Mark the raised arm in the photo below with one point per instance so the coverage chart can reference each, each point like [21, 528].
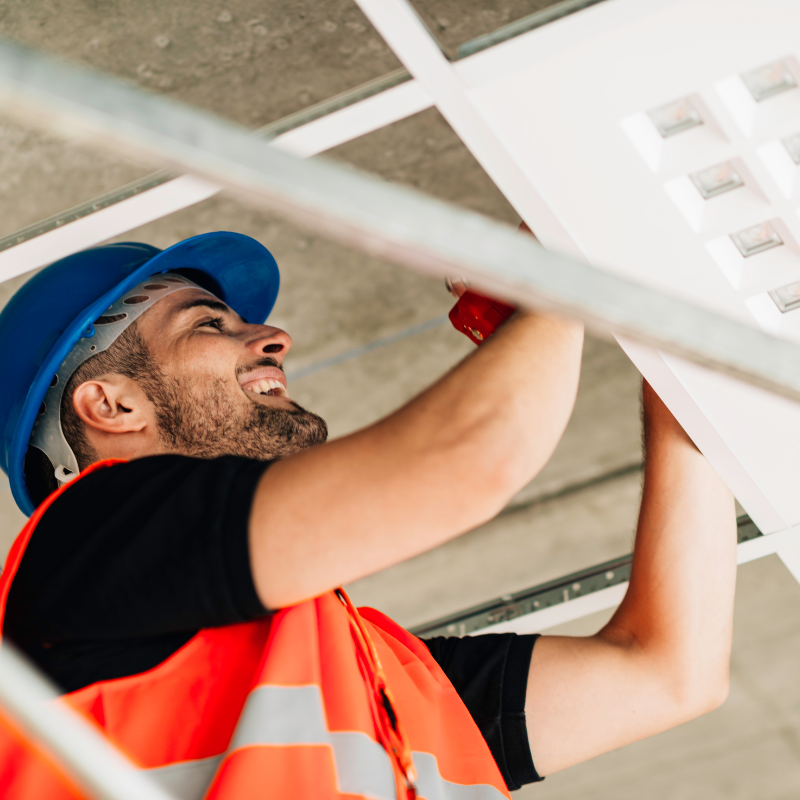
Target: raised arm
[444, 463]
[663, 657]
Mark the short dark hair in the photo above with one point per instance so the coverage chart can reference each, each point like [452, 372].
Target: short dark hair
[129, 356]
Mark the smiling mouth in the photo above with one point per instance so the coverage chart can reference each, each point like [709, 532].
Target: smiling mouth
[269, 387]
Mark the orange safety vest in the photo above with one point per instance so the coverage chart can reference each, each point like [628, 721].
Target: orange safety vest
[295, 705]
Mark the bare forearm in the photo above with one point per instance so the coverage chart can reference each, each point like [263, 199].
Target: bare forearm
[663, 658]
[680, 600]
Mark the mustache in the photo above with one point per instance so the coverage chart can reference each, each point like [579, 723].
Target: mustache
[262, 362]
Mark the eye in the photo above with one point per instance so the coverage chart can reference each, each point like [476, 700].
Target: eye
[215, 322]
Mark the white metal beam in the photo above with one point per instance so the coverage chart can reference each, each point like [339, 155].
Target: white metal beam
[563, 612]
[356, 120]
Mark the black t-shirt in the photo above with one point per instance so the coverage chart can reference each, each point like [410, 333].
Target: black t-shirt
[129, 563]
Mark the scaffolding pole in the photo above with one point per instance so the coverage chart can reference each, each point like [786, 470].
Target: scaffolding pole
[99, 767]
[392, 222]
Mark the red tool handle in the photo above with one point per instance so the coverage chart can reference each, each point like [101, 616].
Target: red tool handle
[478, 316]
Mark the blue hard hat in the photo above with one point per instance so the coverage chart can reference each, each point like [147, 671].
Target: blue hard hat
[45, 319]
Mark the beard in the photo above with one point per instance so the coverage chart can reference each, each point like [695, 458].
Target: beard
[208, 422]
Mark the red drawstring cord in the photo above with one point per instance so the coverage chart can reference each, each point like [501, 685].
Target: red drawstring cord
[387, 724]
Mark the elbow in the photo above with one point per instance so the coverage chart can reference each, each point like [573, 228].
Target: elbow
[684, 683]
[708, 698]
[508, 460]
[483, 465]
[493, 472]
[698, 691]
[716, 693]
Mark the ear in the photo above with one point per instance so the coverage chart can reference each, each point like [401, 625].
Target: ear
[115, 404]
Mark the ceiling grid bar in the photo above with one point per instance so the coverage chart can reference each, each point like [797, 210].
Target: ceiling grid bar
[323, 126]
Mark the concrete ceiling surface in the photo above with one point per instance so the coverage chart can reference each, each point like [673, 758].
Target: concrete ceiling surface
[249, 61]
[254, 63]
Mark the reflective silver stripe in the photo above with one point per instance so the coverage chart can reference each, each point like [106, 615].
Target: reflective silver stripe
[432, 786]
[295, 715]
[281, 715]
[186, 780]
[363, 766]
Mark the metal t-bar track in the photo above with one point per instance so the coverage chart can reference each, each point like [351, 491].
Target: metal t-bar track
[547, 595]
[388, 221]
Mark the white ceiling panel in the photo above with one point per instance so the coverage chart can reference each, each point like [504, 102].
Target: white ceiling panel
[578, 105]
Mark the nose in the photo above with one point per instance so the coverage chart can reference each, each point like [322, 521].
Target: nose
[271, 341]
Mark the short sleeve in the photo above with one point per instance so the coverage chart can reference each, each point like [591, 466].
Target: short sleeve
[490, 674]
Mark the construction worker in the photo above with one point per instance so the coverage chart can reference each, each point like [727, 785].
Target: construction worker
[190, 526]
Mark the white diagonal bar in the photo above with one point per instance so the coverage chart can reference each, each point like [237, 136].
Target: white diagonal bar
[389, 221]
[404, 32]
[356, 120]
[104, 224]
[95, 226]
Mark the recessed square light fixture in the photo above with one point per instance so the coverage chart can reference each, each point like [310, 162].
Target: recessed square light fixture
[787, 298]
[769, 80]
[792, 145]
[756, 239]
[716, 180]
[675, 117]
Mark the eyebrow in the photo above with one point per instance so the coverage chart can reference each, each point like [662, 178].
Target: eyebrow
[214, 305]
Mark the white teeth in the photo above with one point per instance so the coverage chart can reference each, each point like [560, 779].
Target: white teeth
[267, 386]
[279, 388]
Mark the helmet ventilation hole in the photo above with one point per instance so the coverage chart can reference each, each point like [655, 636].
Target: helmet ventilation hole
[109, 318]
[136, 299]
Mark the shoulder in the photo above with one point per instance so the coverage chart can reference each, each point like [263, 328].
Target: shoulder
[148, 514]
[146, 484]
[117, 507]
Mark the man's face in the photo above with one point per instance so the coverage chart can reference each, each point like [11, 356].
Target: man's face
[218, 385]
